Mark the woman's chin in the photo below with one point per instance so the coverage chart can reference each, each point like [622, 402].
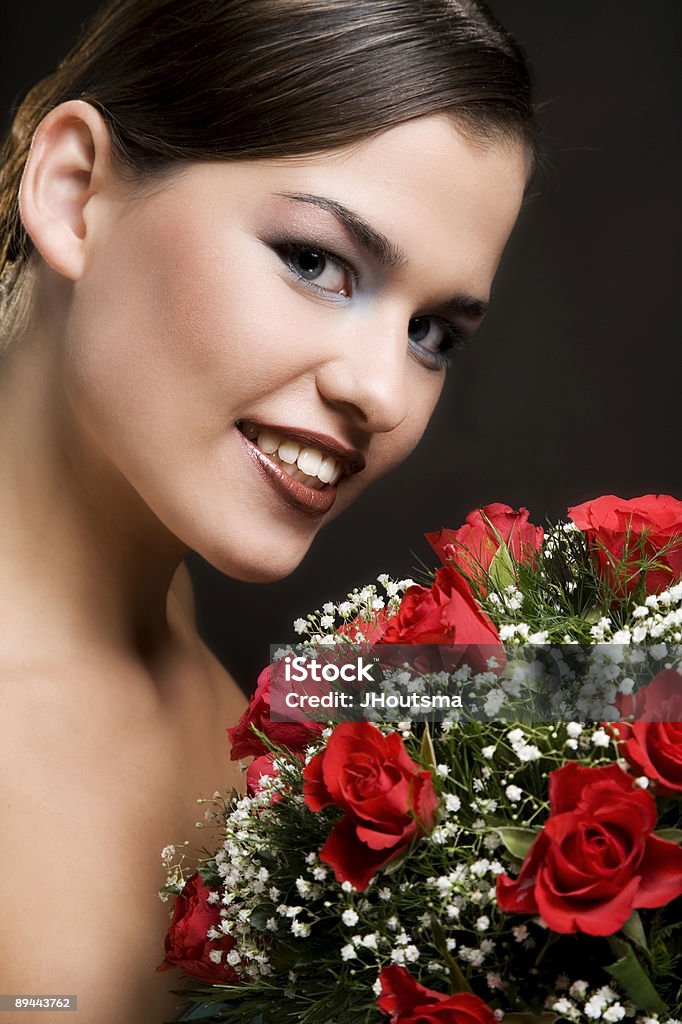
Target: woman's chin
[256, 563]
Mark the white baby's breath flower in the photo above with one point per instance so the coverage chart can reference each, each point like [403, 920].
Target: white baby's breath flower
[488, 752]
[350, 917]
[621, 636]
[301, 626]
[348, 952]
[539, 638]
[514, 793]
[600, 738]
[642, 782]
[527, 752]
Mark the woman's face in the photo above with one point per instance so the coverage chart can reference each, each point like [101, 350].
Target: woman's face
[250, 319]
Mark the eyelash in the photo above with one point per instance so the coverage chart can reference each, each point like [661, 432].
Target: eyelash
[441, 360]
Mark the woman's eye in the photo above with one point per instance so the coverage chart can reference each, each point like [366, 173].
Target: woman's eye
[436, 337]
[319, 268]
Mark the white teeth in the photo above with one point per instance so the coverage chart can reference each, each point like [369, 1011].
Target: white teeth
[309, 461]
[301, 462]
[288, 451]
[268, 442]
[327, 468]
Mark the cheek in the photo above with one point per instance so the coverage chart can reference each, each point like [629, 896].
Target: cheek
[175, 332]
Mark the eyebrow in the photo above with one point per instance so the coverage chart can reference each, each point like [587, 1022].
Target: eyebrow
[386, 252]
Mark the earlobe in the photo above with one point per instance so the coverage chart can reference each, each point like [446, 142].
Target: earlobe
[67, 168]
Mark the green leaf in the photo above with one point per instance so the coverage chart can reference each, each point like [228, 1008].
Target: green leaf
[428, 754]
[501, 568]
[259, 918]
[673, 835]
[517, 841]
[634, 930]
[633, 979]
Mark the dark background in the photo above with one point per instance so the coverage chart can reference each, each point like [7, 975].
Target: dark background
[572, 388]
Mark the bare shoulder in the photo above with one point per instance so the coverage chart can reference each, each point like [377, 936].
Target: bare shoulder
[67, 931]
[77, 874]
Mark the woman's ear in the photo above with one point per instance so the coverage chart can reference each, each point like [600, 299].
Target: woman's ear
[68, 166]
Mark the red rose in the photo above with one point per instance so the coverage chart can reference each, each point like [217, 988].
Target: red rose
[296, 736]
[260, 767]
[187, 945]
[387, 799]
[444, 613]
[637, 527]
[652, 743]
[408, 1002]
[596, 858]
[474, 545]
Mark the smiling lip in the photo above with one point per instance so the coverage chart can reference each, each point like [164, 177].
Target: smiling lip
[305, 499]
[351, 459]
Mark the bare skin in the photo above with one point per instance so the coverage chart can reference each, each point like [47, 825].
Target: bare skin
[161, 319]
[101, 766]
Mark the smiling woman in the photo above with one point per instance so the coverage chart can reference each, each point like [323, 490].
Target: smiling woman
[238, 243]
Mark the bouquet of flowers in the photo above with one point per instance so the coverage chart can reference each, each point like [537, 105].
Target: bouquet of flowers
[468, 867]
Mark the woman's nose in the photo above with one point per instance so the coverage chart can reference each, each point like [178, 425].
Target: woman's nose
[369, 379]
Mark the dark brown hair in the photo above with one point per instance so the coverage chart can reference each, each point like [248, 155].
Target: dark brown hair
[187, 80]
